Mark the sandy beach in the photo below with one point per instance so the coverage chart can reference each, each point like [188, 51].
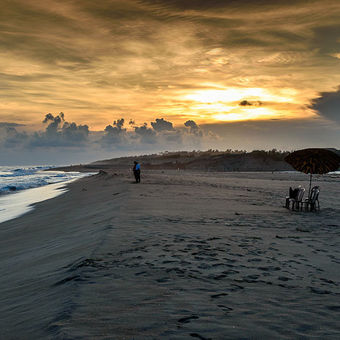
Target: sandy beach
[182, 255]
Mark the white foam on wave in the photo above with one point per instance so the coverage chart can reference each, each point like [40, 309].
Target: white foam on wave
[16, 179]
[20, 203]
[22, 187]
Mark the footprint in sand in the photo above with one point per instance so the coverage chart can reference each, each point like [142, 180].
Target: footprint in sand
[319, 291]
[328, 281]
[225, 308]
[196, 335]
[283, 278]
[188, 319]
[269, 268]
[215, 296]
[140, 273]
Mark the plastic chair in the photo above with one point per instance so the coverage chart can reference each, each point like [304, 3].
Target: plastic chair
[312, 202]
[297, 201]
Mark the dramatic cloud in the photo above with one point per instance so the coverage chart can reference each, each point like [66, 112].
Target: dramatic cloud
[62, 142]
[191, 124]
[166, 56]
[328, 105]
[115, 134]
[60, 133]
[184, 61]
[162, 125]
[193, 128]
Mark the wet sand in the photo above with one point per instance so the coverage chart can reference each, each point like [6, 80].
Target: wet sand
[182, 255]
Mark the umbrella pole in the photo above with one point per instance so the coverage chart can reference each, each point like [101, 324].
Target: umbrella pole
[310, 184]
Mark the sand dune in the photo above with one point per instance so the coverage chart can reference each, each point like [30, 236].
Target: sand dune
[182, 255]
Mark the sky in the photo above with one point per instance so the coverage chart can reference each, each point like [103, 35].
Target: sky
[82, 80]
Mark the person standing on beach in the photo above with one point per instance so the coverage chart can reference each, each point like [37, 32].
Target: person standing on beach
[136, 171]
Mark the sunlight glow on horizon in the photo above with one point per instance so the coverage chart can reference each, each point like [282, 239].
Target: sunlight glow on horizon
[236, 94]
[246, 114]
[225, 104]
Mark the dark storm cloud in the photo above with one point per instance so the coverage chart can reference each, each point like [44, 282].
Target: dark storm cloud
[328, 105]
[191, 124]
[161, 133]
[162, 125]
[193, 128]
[115, 134]
[60, 133]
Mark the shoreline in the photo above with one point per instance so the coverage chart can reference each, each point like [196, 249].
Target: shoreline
[16, 204]
[180, 255]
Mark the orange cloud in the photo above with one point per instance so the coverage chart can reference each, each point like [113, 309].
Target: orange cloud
[179, 60]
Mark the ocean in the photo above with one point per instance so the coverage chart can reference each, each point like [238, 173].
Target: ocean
[20, 187]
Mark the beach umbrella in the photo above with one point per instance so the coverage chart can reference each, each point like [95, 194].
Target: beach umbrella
[314, 161]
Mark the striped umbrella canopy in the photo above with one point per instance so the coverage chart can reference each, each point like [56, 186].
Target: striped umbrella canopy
[314, 161]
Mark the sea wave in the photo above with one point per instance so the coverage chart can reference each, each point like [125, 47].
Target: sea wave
[14, 179]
